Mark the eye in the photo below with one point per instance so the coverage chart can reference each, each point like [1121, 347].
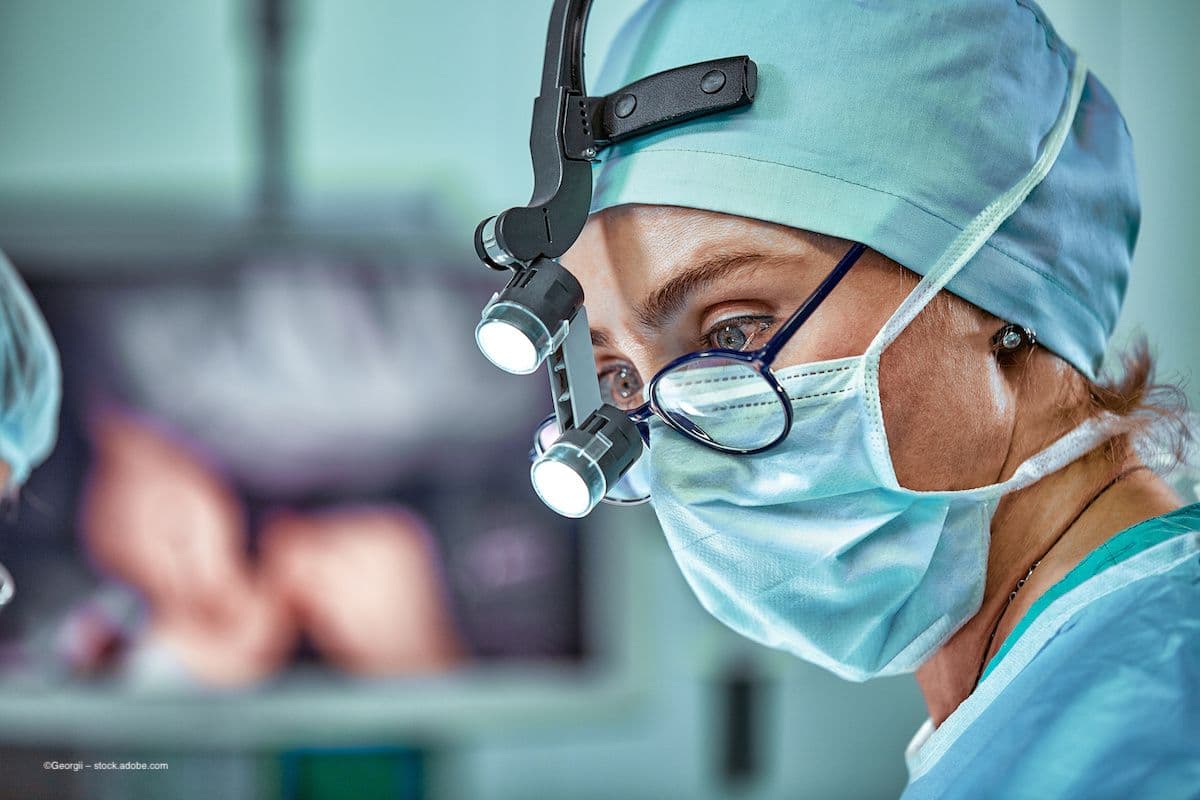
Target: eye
[737, 333]
[621, 386]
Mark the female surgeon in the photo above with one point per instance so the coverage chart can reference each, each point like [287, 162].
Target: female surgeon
[958, 490]
[30, 390]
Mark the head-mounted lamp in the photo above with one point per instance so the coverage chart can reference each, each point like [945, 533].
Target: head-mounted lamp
[538, 317]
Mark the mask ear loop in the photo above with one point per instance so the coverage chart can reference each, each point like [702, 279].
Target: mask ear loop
[973, 237]
[968, 242]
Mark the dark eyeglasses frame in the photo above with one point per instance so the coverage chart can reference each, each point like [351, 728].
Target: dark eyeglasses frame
[759, 360]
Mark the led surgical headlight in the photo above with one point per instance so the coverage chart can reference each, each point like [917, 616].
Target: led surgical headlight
[527, 320]
[575, 472]
[539, 316]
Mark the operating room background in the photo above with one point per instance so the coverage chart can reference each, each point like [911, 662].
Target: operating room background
[128, 146]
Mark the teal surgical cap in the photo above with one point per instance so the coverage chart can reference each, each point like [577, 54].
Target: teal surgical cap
[30, 380]
[894, 124]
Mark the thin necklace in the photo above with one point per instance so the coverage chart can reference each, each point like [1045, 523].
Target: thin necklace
[1013, 594]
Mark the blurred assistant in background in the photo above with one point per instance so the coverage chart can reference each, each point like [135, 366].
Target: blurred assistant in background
[849, 303]
[30, 393]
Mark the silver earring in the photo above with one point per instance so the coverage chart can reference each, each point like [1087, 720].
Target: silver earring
[1012, 338]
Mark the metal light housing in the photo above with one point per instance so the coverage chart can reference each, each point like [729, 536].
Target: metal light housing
[529, 318]
[573, 474]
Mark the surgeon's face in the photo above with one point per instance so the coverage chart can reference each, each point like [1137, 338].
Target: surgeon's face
[662, 281]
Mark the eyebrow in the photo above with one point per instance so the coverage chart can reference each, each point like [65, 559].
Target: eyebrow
[667, 300]
[600, 338]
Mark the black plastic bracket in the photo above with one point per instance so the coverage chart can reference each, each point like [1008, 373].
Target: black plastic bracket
[570, 129]
[657, 101]
[677, 95]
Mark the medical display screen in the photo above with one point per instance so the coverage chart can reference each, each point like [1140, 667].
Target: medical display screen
[290, 462]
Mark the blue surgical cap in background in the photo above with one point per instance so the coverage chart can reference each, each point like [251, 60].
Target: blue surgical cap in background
[894, 124]
[30, 380]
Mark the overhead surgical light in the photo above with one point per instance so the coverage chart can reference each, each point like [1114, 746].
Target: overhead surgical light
[539, 317]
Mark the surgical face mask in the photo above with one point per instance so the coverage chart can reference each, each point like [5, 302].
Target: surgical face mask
[812, 546]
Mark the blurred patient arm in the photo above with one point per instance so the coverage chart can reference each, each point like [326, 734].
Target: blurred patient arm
[366, 587]
[158, 518]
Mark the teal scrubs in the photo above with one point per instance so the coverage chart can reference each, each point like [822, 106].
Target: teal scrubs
[1096, 693]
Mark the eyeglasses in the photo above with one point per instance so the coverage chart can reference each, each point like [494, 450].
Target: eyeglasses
[755, 412]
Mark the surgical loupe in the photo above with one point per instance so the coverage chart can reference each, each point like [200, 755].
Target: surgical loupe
[539, 316]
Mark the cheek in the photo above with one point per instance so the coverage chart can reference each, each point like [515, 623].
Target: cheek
[946, 408]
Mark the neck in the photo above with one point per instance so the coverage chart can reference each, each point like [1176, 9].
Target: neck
[1046, 521]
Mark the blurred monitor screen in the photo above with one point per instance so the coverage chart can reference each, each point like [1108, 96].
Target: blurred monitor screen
[290, 463]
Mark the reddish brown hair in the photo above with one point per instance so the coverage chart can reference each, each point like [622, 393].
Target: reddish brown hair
[1159, 409]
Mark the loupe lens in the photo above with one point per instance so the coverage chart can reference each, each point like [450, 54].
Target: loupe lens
[544, 435]
[512, 338]
[633, 488]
